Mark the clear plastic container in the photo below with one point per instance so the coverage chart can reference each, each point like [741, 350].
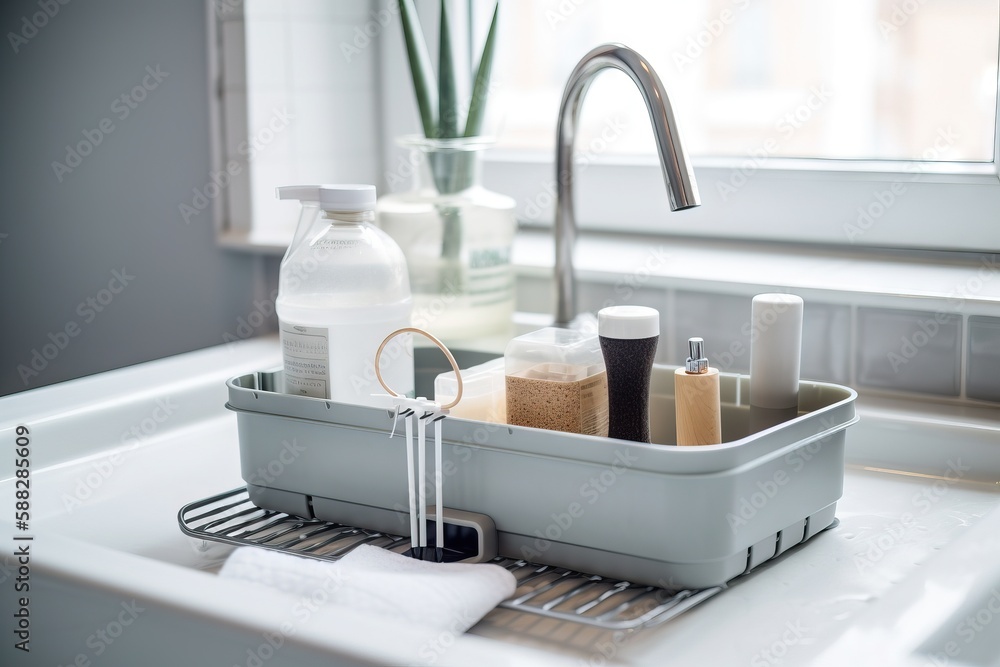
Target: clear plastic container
[484, 397]
[556, 380]
[343, 287]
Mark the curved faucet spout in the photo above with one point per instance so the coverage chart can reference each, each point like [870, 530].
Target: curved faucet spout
[677, 172]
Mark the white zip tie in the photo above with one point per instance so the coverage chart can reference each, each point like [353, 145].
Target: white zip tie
[410, 481]
[422, 476]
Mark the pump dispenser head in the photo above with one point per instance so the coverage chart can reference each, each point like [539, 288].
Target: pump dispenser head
[696, 361]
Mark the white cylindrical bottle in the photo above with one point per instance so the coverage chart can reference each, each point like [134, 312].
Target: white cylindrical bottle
[775, 352]
[343, 287]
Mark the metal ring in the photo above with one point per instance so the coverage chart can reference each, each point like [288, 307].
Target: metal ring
[441, 346]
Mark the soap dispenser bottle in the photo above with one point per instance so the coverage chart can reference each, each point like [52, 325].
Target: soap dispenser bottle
[342, 288]
[697, 399]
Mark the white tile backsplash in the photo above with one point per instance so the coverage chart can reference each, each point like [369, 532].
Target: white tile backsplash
[334, 125]
[826, 336]
[295, 63]
[327, 56]
[272, 121]
[913, 351]
[983, 382]
[267, 54]
[905, 351]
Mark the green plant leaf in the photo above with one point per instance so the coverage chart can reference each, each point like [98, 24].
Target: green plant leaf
[447, 93]
[420, 67]
[481, 85]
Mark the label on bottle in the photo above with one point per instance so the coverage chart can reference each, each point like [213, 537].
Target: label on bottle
[594, 405]
[306, 355]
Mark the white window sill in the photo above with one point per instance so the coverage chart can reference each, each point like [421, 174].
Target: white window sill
[887, 278]
[890, 279]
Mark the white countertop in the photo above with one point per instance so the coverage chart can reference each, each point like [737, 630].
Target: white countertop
[105, 506]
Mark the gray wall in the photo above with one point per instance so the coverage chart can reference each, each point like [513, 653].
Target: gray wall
[60, 242]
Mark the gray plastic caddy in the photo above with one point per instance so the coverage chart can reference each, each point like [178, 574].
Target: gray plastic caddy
[668, 516]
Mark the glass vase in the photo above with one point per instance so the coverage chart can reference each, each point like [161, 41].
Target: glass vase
[457, 238]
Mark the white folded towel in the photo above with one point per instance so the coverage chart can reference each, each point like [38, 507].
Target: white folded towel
[446, 597]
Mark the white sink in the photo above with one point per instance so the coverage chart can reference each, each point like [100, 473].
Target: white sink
[113, 580]
[948, 613]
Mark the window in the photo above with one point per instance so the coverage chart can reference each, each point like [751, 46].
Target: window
[855, 79]
[858, 122]
[864, 122]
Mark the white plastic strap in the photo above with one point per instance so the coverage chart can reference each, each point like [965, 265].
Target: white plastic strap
[422, 476]
[438, 487]
[411, 485]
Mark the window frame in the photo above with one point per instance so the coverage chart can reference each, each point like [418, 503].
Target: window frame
[951, 206]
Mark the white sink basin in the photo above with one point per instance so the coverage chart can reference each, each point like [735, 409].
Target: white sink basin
[113, 580]
[946, 614]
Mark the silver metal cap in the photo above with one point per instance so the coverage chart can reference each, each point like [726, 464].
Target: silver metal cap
[696, 361]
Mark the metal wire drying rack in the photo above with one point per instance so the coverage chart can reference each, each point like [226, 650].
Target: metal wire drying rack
[552, 592]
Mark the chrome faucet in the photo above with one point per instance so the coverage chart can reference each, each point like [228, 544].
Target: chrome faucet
[677, 172]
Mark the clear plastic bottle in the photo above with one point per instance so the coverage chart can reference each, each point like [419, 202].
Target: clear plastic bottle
[343, 287]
